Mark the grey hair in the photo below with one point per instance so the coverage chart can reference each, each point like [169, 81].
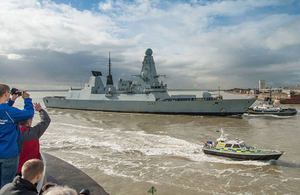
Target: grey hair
[25, 122]
[60, 190]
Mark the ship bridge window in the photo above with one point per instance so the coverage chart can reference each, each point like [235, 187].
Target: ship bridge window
[228, 145]
[236, 146]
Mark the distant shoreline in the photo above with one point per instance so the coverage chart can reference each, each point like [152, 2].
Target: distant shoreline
[262, 96]
[46, 90]
[195, 90]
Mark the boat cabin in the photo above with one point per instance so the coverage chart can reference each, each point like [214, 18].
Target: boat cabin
[234, 146]
[266, 107]
[231, 144]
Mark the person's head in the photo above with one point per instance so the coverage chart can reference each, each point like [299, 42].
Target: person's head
[26, 123]
[32, 170]
[60, 190]
[4, 91]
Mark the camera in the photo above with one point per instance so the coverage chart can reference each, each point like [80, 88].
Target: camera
[15, 91]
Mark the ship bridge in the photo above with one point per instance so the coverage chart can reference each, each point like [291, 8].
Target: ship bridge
[148, 82]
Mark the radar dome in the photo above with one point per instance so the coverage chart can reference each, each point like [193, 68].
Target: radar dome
[148, 52]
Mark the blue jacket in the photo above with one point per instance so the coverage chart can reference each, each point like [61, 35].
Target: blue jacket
[10, 135]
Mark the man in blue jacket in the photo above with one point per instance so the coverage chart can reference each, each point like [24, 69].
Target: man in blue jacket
[10, 135]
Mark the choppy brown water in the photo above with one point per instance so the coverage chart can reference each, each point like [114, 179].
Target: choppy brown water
[130, 153]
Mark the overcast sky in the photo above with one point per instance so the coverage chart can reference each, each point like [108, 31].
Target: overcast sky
[198, 44]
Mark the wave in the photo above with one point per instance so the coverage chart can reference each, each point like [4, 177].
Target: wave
[139, 143]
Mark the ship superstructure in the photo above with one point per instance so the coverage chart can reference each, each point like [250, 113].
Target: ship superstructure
[148, 95]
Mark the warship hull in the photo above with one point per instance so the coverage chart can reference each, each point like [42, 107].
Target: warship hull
[148, 95]
[198, 107]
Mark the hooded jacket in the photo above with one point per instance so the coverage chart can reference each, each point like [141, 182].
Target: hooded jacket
[10, 135]
[19, 187]
[31, 148]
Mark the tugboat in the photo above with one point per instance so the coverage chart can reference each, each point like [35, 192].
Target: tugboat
[238, 149]
[267, 108]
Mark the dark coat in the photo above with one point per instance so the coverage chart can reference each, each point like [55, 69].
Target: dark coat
[19, 187]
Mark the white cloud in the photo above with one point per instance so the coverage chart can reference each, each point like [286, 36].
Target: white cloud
[105, 6]
[50, 26]
[202, 40]
[287, 35]
[237, 7]
[13, 56]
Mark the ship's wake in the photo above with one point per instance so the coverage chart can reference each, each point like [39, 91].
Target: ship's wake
[137, 143]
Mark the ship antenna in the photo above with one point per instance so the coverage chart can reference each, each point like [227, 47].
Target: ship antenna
[109, 64]
[109, 80]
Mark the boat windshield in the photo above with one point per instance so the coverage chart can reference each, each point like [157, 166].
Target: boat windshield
[243, 145]
[236, 146]
[228, 145]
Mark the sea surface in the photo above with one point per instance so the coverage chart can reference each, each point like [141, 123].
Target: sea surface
[129, 153]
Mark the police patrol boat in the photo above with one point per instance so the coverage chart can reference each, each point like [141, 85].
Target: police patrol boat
[267, 108]
[238, 149]
[149, 95]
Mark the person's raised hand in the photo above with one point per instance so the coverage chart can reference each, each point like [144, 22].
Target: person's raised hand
[37, 106]
[25, 95]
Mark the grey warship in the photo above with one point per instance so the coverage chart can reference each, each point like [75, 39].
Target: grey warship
[148, 95]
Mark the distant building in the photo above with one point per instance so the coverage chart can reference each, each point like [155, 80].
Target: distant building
[278, 90]
[295, 89]
[261, 85]
[292, 89]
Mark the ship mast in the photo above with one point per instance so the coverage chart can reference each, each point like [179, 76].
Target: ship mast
[109, 80]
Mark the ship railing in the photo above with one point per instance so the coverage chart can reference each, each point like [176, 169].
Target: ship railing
[188, 99]
[56, 97]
